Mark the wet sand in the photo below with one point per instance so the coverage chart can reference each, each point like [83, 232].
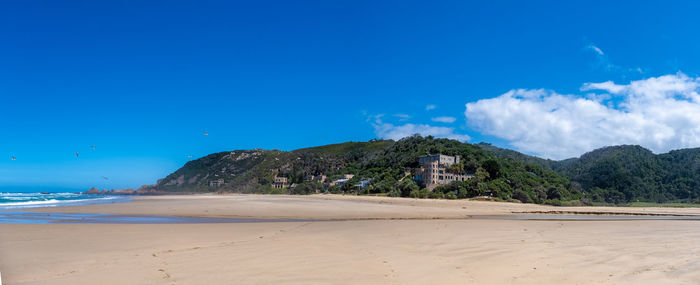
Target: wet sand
[338, 207]
[438, 248]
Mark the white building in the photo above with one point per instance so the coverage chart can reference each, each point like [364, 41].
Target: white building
[434, 170]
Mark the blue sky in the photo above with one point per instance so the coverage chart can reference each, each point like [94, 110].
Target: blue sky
[143, 80]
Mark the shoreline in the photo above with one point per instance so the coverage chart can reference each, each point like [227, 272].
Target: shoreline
[340, 207]
[24, 201]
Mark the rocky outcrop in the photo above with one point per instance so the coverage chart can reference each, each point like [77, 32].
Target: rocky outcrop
[94, 190]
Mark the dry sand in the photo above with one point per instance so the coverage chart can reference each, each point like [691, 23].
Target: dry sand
[431, 250]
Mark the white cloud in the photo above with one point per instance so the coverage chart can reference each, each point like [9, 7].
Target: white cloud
[430, 107]
[390, 131]
[595, 49]
[402, 117]
[396, 132]
[375, 118]
[603, 62]
[607, 85]
[444, 119]
[659, 113]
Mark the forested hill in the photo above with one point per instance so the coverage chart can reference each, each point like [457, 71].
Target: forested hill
[387, 163]
[627, 173]
[617, 174]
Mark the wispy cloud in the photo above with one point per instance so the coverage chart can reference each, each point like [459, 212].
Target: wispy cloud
[374, 118]
[402, 117]
[390, 131]
[659, 113]
[602, 62]
[393, 131]
[596, 49]
[430, 107]
[444, 119]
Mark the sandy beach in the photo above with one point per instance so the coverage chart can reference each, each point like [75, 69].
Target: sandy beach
[360, 240]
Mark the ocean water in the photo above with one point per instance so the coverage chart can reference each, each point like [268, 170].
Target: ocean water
[26, 200]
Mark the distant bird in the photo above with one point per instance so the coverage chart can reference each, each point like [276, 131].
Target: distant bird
[189, 156]
[206, 133]
[92, 147]
[76, 154]
[105, 178]
[14, 158]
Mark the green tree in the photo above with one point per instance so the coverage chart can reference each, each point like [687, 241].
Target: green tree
[406, 186]
[492, 167]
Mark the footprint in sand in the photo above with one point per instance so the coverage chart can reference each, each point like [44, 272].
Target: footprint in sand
[165, 274]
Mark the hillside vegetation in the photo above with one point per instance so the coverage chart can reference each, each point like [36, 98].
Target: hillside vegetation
[387, 163]
[614, 175]
[627, 173]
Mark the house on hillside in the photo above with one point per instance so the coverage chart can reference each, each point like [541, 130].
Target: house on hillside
[216, 183]
[339, 182]
[434, 171]
[320, 178]
[363, 184]
[279, 182]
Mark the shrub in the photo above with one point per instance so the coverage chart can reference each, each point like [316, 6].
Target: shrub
[407, 186]
[395, 193]
[435, 195]
[521, 196]
[277, 191]
[306, 188]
